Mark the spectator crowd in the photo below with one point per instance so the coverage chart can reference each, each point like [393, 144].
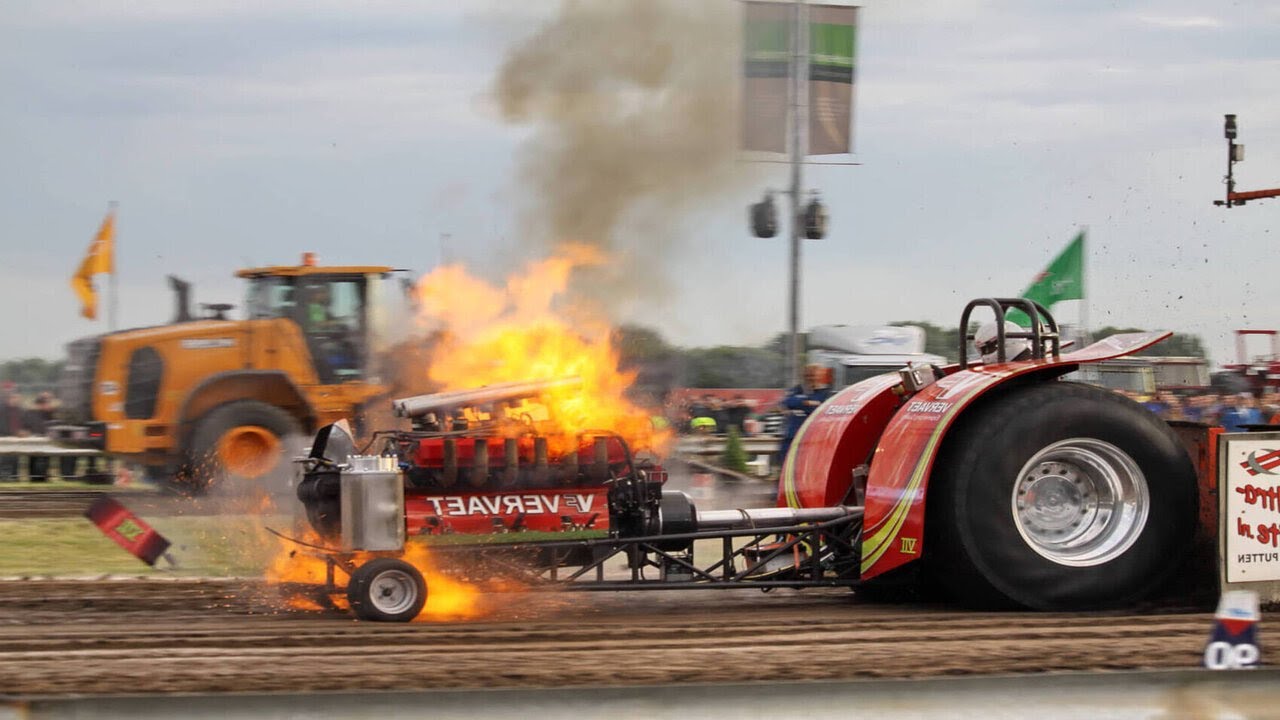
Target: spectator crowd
[1234, 412]
[713, 414]
[21, 416]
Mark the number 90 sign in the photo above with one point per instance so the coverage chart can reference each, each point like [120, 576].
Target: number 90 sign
[1222, 655]
[1234, 642]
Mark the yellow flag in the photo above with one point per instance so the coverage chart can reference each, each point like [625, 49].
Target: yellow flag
[99, 259]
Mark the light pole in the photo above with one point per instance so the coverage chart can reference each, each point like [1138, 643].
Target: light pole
[1235, 154]
[807, 220]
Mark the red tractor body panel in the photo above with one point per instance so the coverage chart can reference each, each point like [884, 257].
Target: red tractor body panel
[836, 438]
[508, 490]
[906, 435]
[504, 511]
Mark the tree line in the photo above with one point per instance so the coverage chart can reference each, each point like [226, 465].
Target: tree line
[660, 366]
[34, 373]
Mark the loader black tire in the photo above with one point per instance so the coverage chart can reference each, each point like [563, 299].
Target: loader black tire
[256, 426]
[387, 590]
[1006, 488]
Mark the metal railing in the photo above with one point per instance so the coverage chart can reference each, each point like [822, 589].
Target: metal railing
[38, 459]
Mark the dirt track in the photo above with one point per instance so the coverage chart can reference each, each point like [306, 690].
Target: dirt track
[62, 637]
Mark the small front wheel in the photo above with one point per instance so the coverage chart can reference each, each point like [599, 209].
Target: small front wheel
[387, 590]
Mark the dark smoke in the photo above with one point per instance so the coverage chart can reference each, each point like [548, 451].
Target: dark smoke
[634, 108]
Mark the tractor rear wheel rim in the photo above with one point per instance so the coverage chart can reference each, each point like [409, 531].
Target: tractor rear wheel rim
[248, 450]
[1080, 502]
[393, 591]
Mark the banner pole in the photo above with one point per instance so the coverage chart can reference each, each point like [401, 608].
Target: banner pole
[111, 277]
[1084, 286]
[111, 303]
[798, 120]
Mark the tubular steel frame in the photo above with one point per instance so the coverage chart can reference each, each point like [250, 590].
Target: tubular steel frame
[540, 565]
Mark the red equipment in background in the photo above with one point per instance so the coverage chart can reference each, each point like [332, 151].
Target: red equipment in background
[1259, 373]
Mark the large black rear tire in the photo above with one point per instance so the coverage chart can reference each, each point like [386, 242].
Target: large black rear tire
[1059, 496]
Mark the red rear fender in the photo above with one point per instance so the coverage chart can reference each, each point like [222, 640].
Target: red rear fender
[837, 437]
[893, 531]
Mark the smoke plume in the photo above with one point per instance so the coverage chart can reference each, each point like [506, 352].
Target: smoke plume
[633, 105]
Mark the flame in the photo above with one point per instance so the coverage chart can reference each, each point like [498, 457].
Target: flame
[528, 330]
[447, 598]
[525, 330]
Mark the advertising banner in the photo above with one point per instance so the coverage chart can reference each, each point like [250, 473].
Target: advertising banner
[544, 511]
[832, 44]
[766, 73]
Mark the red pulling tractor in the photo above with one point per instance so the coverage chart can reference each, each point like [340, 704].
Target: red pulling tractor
[998, 483]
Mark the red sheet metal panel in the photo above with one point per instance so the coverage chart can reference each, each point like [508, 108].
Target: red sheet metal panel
[836, 438]
[543, 510]
[1201, 443]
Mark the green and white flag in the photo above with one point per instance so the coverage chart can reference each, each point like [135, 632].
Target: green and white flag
[1062, 280]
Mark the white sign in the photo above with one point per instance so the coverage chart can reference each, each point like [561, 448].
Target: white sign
[1252, 497]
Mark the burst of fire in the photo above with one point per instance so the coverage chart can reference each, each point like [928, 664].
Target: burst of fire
[447, 598]
[528, 330]
[525, 330]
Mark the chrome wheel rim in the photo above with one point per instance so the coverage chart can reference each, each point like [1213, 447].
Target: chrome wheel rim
[393, 591]
[1080, 502]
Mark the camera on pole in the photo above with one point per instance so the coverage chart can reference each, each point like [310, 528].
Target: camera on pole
[764, 218]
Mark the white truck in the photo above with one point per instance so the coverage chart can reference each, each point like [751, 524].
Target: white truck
[857, 352]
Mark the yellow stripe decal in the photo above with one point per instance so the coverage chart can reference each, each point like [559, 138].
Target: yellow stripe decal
[879, 542]
[789, 465]
[789, 468]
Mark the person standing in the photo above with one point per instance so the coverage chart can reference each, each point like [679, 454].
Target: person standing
[41, 413]
[1270, 406]
[700, 410]
[736, 415]
[1211, 413]
[13, 417]
[38, 417]
[800, 403]
[11, 423]
[1243, 412]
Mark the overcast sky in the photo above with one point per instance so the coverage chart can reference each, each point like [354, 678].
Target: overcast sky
[988, 133]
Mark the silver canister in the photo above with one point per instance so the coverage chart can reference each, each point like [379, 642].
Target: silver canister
[372, 497]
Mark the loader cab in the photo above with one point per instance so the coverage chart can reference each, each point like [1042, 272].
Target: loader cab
[334, 307]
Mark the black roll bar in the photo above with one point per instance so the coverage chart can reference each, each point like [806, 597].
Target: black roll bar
[1044, 329]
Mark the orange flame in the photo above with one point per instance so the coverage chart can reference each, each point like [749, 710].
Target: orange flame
[447, 598]
[523, 331]
[528, 331]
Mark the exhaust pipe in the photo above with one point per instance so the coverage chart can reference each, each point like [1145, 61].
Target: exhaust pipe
[770, 517]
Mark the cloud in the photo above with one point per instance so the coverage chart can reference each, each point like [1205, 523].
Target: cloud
[1182, 22]
[988, 131]
[78, 13]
